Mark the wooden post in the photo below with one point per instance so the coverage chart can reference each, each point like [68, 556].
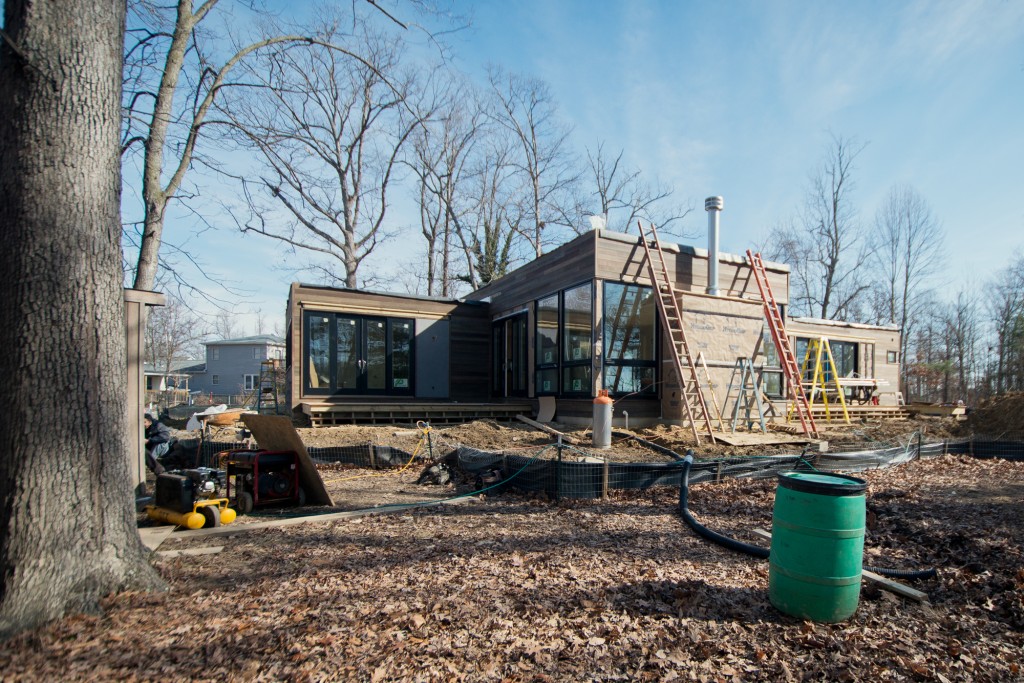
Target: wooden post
[373, 455]
[718, 472]
[558, 473]
[604, 481]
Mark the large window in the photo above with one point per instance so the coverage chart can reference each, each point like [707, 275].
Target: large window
[353, 354]
[547, 345]
[771, 373]
[844, 353]
[564, 334]
[578, 331]
[630, 339]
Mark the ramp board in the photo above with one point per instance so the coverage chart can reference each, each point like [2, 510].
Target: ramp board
[276, 433]
[758, 439]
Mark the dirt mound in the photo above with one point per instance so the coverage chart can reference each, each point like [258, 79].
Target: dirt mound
[998, 416]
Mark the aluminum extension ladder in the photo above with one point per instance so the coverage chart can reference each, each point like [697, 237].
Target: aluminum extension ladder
[794, 379]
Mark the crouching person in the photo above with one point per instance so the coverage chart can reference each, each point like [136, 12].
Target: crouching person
[158, 438]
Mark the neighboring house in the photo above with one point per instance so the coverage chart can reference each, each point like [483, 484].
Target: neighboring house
[233, 365]
[574, 321]
[177, 376]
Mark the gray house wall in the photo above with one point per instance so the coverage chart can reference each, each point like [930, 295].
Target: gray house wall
[231, 364]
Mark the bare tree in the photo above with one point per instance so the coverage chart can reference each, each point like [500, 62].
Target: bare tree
[826, 252]
[225, 325]
[174, 73]
[621, 196]
[962, 335]
[260, 321]
[330, 131]
[907, 251]
[1007, 315]
[68, 531]
[489, 232]
[525, 108]
[173, 333]
[442, 160]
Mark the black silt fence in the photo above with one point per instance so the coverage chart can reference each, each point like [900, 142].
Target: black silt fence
[544, 473]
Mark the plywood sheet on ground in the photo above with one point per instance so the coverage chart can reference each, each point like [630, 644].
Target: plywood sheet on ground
[153, 536]
[758, 439]
[276, 433]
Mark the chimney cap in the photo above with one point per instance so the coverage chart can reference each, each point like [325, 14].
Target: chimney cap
[714, 204]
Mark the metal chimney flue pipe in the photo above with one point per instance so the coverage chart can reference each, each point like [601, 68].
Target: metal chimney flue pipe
[714, 206]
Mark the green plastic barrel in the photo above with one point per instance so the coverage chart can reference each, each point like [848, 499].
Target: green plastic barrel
[817, 547]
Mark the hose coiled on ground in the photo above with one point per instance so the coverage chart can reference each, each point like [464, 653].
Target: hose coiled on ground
[758, 551]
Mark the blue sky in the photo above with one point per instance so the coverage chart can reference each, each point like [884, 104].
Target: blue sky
[740, 99]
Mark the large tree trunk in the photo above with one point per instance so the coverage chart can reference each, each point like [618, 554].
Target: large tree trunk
[67, 522]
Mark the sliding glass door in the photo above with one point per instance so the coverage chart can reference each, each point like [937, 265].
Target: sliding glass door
[354, 354]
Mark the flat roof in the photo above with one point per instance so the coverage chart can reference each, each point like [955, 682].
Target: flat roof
[843, 323]
[397, 295]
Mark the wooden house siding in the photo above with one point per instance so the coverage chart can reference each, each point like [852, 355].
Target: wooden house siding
[568, 265]
[873, 346]
[455, 351]
[621, 257]
[467, 343]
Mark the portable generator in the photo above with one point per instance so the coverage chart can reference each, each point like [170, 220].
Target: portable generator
[261, 477]
[189, 498]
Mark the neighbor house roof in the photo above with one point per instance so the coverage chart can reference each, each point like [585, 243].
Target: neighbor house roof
[187, 366]
[269, 339]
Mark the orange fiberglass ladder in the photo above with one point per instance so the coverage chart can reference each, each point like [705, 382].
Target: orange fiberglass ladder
[672, 319]
[794, 378]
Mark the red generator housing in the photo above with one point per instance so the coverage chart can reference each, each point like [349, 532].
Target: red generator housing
[258, 477]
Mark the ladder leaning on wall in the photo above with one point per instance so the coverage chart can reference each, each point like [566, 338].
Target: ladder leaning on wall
[672, 318]
[794, 379]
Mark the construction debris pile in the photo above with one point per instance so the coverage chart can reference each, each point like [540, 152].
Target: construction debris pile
[999, 417]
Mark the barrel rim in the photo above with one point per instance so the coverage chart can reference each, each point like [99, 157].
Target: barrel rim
[848, 486]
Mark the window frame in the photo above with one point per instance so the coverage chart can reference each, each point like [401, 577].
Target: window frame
[609, 362]
[563, 365]
[331, 388]
[542, 367]
[568, 359]
[772, 366]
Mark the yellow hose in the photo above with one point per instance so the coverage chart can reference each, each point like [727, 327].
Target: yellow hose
[424, 427]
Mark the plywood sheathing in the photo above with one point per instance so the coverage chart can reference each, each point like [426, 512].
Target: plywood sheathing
[724, 329]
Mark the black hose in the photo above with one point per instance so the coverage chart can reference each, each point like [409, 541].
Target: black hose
[908, 574]
[758, 551]
[713, 536]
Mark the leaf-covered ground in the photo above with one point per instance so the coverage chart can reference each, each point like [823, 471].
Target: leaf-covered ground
[518, 589]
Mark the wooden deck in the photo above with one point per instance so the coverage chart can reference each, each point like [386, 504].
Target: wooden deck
[857, 412]
[329, 414]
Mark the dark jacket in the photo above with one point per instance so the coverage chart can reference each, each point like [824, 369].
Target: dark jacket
[157, 433]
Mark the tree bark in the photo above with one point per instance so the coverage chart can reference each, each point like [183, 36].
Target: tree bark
[67, 522]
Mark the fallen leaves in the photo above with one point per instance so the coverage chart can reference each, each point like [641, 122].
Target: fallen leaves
[516, 589]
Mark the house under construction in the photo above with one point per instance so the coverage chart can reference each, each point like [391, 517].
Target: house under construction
[675, 334]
